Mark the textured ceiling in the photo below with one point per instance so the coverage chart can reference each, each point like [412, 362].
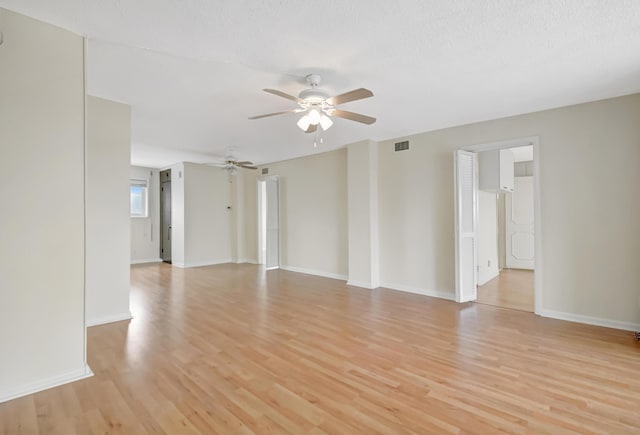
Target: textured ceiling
[193, 70]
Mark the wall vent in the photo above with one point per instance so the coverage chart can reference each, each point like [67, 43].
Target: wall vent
[401, 146]
[265, 171]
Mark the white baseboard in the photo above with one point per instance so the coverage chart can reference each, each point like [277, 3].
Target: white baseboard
[362, 284]
[314, 272]
[176, 264]
[109, 319]
[494, 274]
[45, 384]
[597, 321]
[246, 260]
[147, 260]
[207, 263]
[420, 291]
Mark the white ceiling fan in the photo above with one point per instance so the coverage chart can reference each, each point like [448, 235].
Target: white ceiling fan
[318, 107]
[231, 163]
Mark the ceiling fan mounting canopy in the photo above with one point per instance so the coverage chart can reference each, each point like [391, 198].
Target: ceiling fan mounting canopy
[315, 95]
[318, 106]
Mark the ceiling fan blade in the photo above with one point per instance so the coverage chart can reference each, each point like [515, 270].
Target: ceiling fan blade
[352, 116]
[245, 162]
[311, 128]
[283, 95]
[356, 94]
[248, 167]
[273, 114]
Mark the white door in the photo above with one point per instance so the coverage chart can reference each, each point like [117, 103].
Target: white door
[465, 220]
[272, 224]
[519, 240]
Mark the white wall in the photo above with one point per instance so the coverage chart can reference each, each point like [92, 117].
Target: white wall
[502, 242]
[42, 327]
[202, 224]
[238, 216]
[487, 237]
[363, 229]
[250, 205]
[313, 213]
[208, 220]
[108, 227]
[590, 237]
[145, 232]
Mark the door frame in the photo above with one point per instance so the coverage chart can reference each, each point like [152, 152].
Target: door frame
[537, 224]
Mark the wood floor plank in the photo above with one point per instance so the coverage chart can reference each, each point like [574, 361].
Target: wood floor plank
[233, 349]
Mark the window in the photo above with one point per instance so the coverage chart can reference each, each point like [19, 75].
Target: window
[138, 198]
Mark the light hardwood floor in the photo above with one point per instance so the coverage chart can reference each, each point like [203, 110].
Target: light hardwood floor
[513, 289]
[229, 349]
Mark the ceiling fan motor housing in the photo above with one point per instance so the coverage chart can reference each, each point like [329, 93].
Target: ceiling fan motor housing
[313, 95]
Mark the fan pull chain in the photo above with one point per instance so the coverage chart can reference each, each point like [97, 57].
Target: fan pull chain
[315, 139]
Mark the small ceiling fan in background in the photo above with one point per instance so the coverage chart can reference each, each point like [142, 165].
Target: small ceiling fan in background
[318, 107]
[231, 163]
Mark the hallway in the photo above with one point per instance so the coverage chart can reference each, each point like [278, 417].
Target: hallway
[513, 289]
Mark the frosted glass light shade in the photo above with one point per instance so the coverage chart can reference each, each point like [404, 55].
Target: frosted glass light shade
[304, 123]
[314, 116]
[325, 122]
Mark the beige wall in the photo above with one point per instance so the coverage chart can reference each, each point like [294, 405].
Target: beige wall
[201, 224]
[415, 196]
[108, 223]
[590, 240]
[590, 237]
[42, 325]
[313, 213]
[207, 220]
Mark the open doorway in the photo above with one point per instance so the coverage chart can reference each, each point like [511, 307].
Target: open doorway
[506, 254]
[165, 215]
[268, 223]
[497, 224]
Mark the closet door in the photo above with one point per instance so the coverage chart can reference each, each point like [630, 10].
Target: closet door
[465, 222]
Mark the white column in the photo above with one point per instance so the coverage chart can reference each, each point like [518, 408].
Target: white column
[363, 214]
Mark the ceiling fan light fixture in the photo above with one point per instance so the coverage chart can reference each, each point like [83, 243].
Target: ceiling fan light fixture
[319, 107]
[304, 123]
[325, 122]
[314, 116]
